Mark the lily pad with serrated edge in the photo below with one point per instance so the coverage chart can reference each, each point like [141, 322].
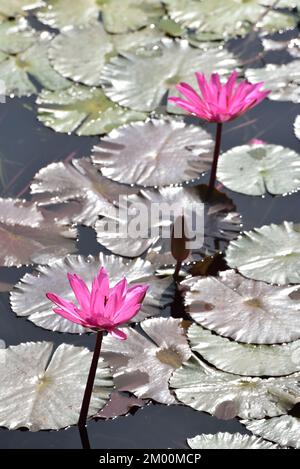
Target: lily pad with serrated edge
[226, 395]
[61, 184]
[141, 81]
[243, 309]
[282, 80]
[154, 153]
[143, 363]
[42, 390]
[60, 14]
[270, 253]
[284, 430]
[28, 299]
[245, 359]
[83, 110]
[267, 168]
[229, 441]
[297, 127]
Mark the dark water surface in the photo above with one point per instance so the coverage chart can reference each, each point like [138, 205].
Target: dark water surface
[25, 147]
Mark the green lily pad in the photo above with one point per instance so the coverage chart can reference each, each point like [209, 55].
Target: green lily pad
[269, 169]
[140, 42]
[282, 80]
[227, 19]
[84, 110]
[18, 70]
[16, 36]
[270, 253]
[297, 127]
[140, 82]
[229, 441]
[284, 430]
[92, 46]
[13, 8]
[130, 15]
[61, 13]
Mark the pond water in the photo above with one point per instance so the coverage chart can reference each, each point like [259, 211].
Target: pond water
[25, 147]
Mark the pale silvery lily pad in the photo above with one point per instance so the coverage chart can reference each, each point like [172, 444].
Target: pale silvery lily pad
[243, 309]
[92, 46]
[227, 19]
[267, 168]
[13, 8]
[15, 36]
[245, 359]
[143, 364]
[270, 253]
[292, 46]
[221, 223]
[63, 13]
[18, 70]
[120, 404]
[229, 441]
[79, 181]
[226, 395]
[282, 80]
[42, 390]
[29, 236]
[297, 127]
[130, 15]
[141, 41]
[29, 297]
[284, 430]
[154, 153]
[141, 81]
[84, 110]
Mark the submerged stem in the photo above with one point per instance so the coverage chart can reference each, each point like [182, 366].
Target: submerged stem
[90, 381]
[214, 167]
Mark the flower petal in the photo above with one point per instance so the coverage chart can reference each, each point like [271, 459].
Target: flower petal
[118, 334]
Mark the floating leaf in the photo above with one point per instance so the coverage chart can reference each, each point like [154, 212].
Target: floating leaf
[245, 359]
[270, 253]
[226, 395]
[83, 110]
[221, 223]
[120, 404]
[154, 153]
[61, 13]
[228, 441]
[14, 8]
[78, 181]
[142, 41]
[267, 168]
[28, 236]
[244, 310]
[42, 390]
[18, 70]
[143, 364]
[92, 46]
[141, 81]
[15, 36]
[284, 430]
[227, 19]
[29, 297]
[297, 127]
[282, 80]
[130, 15]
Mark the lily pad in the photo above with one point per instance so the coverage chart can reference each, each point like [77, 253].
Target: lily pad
[297, 127]
[15, 36]
[154, 153]
[120, 404]
[229, 441]
[268, 168]
[284, 430]
[227, 19]
[92, 46]
[270, 253]
[143, 363]
[226, 395]
[141, 41]
[19, 70]
[13, 8]
[63, 184]
[42, 390]
[245, 359]
[244, 310]
[83, 110]
[141, 81]
[29, 297]
[282, 80]
[130, 15]
[29, 236]
[60, 14]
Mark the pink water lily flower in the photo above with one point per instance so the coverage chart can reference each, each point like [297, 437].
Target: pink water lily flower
[219, 102]
[102, 308]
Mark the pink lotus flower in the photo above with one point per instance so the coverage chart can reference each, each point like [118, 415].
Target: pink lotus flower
[103, 308]
[217, 102]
